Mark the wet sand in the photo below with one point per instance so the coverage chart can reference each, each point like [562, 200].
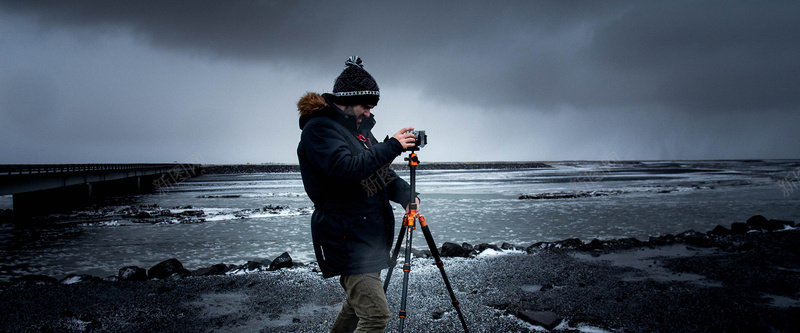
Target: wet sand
[695, 283]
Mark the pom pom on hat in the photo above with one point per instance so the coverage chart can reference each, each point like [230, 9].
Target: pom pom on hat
[355, 86]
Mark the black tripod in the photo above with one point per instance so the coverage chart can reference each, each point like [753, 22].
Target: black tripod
[408, 227]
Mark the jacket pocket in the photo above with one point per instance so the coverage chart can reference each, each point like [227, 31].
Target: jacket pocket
[366, 237]
[328, 234]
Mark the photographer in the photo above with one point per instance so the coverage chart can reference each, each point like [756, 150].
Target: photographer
[346, 174]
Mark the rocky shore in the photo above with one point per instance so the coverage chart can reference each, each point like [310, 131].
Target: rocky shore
[742, 278]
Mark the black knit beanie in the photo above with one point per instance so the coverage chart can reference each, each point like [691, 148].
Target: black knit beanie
[355, 86]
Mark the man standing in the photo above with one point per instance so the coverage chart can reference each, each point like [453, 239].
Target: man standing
[346, 174]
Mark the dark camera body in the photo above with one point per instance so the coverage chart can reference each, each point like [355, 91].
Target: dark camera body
[422, 139]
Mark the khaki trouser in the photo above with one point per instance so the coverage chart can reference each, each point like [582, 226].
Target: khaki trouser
[365, 309]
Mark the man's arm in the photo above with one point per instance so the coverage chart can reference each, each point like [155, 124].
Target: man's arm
[327, 148]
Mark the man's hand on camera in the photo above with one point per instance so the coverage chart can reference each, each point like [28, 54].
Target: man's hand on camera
[408, 140]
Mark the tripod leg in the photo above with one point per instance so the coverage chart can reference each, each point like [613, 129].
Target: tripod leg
[406, 272]
[435, 252]
[395, 253]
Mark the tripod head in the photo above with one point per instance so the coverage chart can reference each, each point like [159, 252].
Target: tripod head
[412, 158]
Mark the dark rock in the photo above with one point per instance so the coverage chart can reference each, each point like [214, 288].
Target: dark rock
[132, 273]
[144, 215]
[507, 246]
[437, 315]
[420, 253]
[572, 195]
[251, 266]
[35, 279]
[786, 223]
[483, 246]
[773, 225]
[165, 269]
[218, 269]
[569, 195]
[720, 230]
[548, 320]
[468, 247]
[756, 219]
[453, 250]
[739, 228]
[571, 243]
[595, 244]
[535, 246]
[628, 243]
[282, 261]
[273, 208]
[163, 290]
[761, 223]
[662, 240]
[195, 213]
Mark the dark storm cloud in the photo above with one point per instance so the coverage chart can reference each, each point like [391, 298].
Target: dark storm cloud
[690, 56]
[705, 55]
[242, 29]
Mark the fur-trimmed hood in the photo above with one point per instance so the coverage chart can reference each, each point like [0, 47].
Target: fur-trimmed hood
[312, 105]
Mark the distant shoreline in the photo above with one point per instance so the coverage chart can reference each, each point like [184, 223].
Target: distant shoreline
[500, 165]
[269, 168]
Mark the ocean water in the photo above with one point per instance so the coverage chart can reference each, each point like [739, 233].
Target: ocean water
[257, 217]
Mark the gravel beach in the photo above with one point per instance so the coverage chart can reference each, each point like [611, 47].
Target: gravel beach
[692, 282]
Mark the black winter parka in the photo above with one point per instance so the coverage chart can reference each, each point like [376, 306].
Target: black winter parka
[347, 175]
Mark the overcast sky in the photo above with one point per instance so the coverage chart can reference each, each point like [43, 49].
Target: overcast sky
[218, 81]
